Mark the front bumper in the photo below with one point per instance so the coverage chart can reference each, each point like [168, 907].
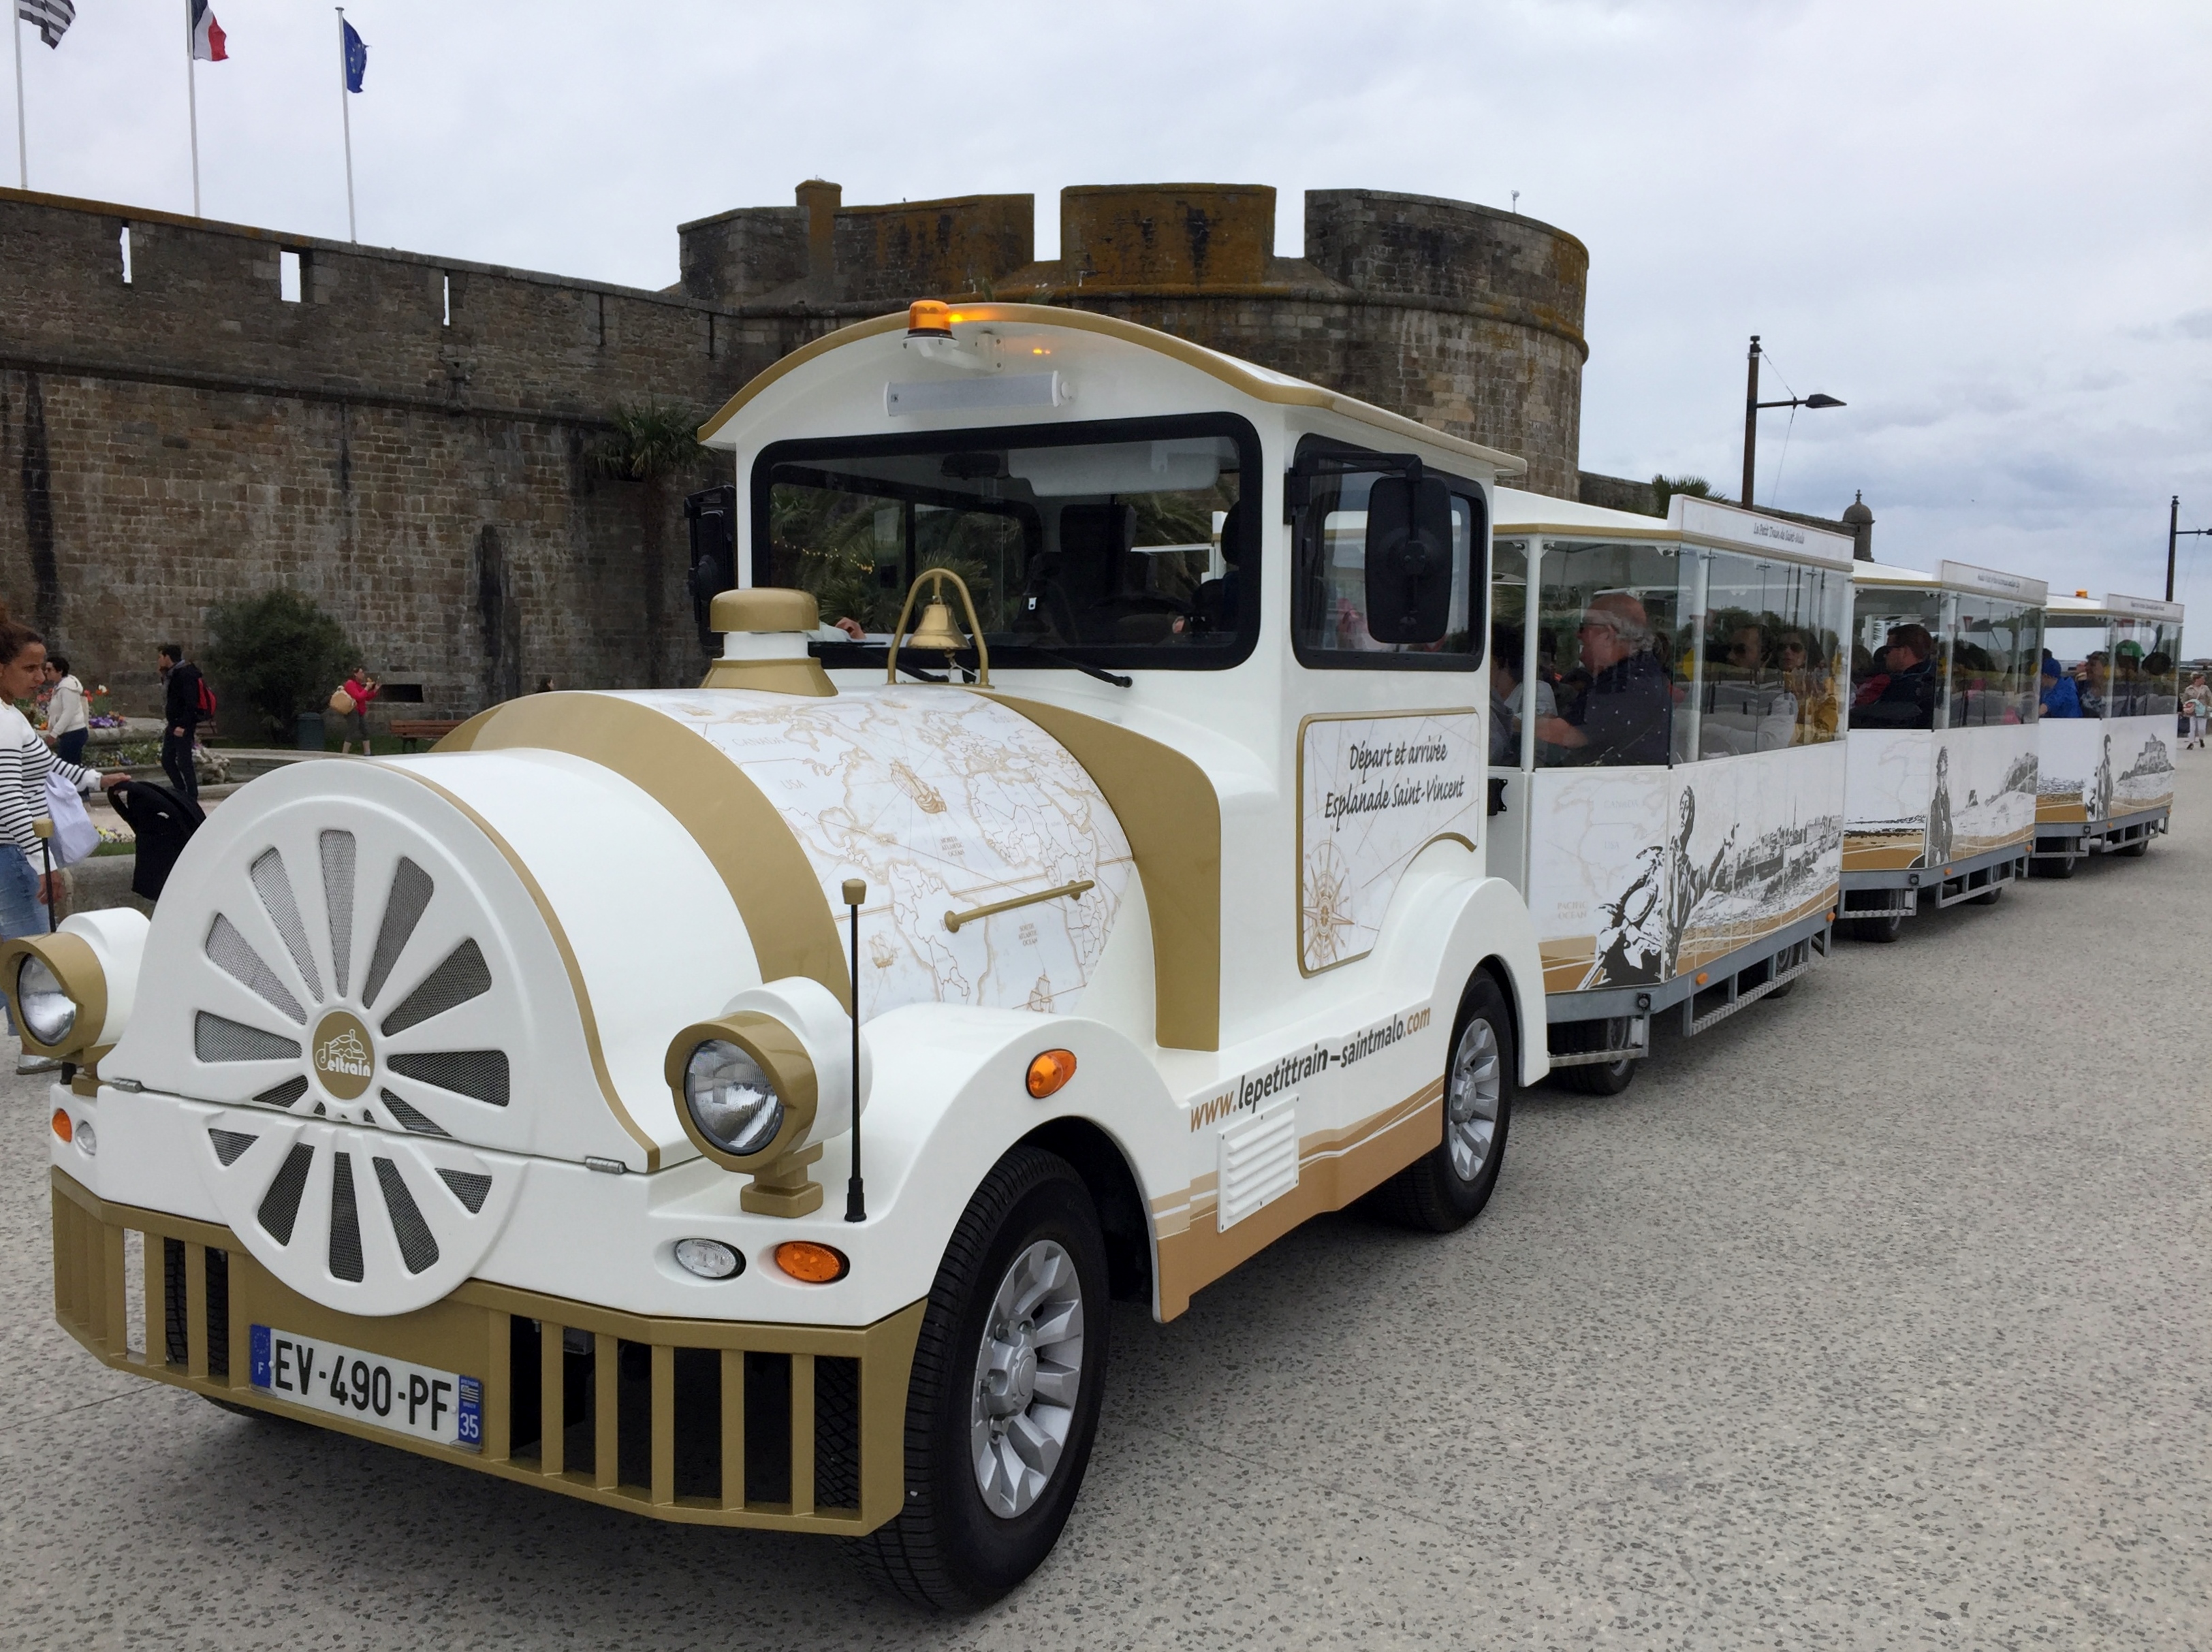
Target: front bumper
[788, 1427]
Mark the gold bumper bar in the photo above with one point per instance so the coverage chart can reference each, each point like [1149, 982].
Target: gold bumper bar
[791, 1427]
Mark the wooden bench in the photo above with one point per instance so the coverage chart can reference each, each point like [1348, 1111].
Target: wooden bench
[427, 730]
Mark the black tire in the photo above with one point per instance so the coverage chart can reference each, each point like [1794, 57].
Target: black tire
[1596, 1078]
[2135, 850]
[1431, 1194]
[1786, 988]
[1990, 896]
[1880, 931]
[948, 1549]
[2053, 868]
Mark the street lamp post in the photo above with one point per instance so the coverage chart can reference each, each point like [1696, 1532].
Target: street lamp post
[1752, 405]
[2174, 530]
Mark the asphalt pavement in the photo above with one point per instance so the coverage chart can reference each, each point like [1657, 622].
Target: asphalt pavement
[1879, 1316]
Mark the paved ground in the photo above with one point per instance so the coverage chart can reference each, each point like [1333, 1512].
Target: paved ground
[1877, 1317]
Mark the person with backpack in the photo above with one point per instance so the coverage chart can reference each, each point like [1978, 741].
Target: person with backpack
[351, 704]
[186, 700]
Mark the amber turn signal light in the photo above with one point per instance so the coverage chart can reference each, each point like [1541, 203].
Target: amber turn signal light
[810, 1263]
[928, 318]
[1049, 1071]
[62, 1123]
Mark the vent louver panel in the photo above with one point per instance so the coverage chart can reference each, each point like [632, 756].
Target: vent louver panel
[345, 1222]
[283, 1094]
[337, 852]
[280, 1205]
[418, 1247]
[218, 1038]
[274, 889]
[462, 976]
[403, 907]
[479, 1073]
[229, 1144]
[410, 1118]
[472, 1190]
[229, 952]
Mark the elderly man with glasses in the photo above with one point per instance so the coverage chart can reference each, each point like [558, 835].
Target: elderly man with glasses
[1625, 715]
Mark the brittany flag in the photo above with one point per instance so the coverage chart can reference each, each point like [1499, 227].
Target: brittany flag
[207, 34]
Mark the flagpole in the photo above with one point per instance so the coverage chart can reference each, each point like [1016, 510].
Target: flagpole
[22, 142]
[193, 102]
[345, 111]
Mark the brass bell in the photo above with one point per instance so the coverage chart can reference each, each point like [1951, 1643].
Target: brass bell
[937, 631]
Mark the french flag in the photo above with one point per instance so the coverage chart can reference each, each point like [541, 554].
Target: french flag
[207, 34]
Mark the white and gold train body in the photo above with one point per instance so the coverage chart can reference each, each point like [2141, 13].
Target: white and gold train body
[395, 1112]
[1942, 753]
[2107, 776]
[1668, 756]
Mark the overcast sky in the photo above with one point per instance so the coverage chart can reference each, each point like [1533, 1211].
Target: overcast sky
[1987, 226]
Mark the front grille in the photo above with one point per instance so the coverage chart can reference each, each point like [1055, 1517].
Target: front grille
[795, 1427]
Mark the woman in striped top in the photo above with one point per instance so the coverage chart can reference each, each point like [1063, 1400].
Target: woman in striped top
[24, 764]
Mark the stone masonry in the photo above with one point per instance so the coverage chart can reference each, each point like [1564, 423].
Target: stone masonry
[413, 441]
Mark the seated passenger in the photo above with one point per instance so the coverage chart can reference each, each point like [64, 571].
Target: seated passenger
[1626, 714]
[2093, 682]
[1745, 710]
[1902, 694]
[1506, 695]
[1804, 673]
[2059, 697]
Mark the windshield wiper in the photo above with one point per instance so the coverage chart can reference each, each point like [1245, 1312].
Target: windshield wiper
[1115, 678]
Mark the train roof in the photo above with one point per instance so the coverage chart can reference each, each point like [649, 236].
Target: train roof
[1955, 576]
[2113, 605]
[1247, 378]
[1700, 521]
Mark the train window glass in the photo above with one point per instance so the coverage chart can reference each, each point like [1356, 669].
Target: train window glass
[1117, 545]
[1329, 616]
[2079, 643]
[2146, 678]
[1509, 634]
[1607, 646]
[1995, 650]
[1771, 645]
[1896, 668]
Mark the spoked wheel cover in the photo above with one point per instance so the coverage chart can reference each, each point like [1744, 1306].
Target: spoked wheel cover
[1029, 1371]
[1472, 1091]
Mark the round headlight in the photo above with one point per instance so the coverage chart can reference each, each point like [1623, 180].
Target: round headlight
[731, 1100]
[49, 1012]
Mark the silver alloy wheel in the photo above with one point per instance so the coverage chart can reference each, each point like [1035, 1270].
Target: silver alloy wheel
[1472, 1091]
[1028, 1372]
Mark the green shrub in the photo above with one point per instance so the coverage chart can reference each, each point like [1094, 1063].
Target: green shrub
[281, 652]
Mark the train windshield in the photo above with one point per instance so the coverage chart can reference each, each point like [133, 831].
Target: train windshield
[1117, 545]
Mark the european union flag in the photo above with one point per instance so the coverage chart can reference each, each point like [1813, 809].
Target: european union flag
[356, 57]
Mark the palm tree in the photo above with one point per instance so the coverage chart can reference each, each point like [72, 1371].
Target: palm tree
[653, 442]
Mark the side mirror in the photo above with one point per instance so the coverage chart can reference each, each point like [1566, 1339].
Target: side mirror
[1409, 561]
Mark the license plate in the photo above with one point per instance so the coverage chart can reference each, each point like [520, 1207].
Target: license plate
[431, 1404]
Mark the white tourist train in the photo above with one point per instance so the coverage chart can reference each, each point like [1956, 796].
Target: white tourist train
[2107, 782]
[1671, 788]
[1943, 727]
[739, 1106]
